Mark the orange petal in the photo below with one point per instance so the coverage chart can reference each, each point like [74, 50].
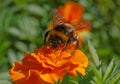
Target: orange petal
[48, 78]
[71, 11]
[81, 70]
[78, 69]
[32, 61]
[30, 78]
[13, 72]
[79, 58]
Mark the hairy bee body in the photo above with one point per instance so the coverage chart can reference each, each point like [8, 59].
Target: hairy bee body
[61, 34]
[64, 33]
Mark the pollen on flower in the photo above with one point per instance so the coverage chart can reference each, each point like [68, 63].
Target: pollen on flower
[46, 66]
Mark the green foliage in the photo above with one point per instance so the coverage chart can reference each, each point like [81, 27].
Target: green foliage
[66, 79]
[24, 22]
[109, 75]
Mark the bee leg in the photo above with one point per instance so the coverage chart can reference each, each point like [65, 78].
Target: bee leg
[45, 37]
[75, 39]
[66, 44]
[77, 44]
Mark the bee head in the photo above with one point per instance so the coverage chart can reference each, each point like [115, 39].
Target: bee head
[55, 41]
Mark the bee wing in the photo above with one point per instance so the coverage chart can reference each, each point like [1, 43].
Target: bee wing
[82, 25]
[57, 18]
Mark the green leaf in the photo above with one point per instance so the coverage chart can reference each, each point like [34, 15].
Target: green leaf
[5, 82]
[108, 70]
[95, 58]
[87, 78]
[22, 2]
[5, 3]
[66, 79]
[21, 46]
[2, 15]
[104, 6]
[35, 9]
[116, 17]
[74, 79]
[27, 29]
[12, 56]
[15, 31]
[97, 78]
[4, 76]
[115, 79]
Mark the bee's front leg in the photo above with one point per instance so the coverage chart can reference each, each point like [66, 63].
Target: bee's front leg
[75, 39]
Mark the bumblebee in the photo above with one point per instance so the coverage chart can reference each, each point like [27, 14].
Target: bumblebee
[63, 33]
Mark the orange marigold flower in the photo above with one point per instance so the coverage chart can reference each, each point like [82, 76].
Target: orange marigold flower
[47, 65]
[71, 11]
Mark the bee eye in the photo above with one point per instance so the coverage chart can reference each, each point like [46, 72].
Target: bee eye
[55, 40]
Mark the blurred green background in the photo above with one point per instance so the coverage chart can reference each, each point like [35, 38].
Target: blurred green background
[24, 22]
